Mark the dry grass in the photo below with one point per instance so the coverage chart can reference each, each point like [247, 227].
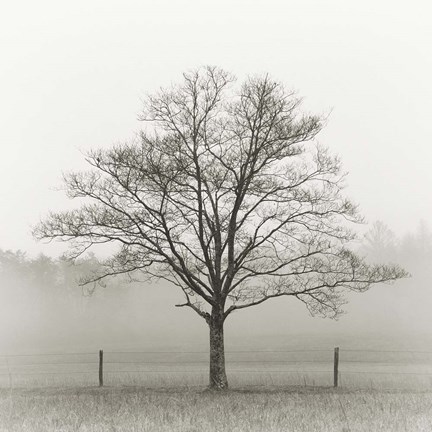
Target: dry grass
[381, 391]
[140, 409]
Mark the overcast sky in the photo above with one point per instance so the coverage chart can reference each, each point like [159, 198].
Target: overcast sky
[73, 74]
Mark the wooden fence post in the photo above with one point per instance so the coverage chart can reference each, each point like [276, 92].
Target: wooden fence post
[100, 368]
[336, 367]
[9, 371]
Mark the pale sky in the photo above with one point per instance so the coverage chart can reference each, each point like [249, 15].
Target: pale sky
[73, 74]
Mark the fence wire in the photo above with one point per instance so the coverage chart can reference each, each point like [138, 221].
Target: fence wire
[265, 362]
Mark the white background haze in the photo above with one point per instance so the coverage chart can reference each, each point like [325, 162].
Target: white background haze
[72, 78]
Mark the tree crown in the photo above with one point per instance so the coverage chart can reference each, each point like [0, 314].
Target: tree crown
[225, 194]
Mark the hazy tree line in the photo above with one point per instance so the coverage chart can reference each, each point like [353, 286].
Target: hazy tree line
[54, 283]
[413, 249]
[44, 305]
[44, 282]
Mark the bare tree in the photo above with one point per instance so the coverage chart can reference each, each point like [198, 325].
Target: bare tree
[380, 242]
[226, 195]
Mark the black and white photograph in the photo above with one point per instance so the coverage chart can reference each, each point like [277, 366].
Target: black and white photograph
[216, 216]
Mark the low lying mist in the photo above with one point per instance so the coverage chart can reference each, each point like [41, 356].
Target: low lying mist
[44, 309]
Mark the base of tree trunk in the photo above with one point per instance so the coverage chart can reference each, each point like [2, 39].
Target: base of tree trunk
[218, 379]
[218, 385]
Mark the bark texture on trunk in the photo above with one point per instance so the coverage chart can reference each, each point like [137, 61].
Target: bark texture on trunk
[218, 378]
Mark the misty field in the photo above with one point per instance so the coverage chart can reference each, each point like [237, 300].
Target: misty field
[140, 409]
[384, 386]
[359, 368]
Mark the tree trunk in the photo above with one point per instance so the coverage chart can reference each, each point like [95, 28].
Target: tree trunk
[218, 378]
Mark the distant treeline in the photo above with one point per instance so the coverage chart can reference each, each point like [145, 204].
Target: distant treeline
[412, 250]
[58, 279]
[43, 304]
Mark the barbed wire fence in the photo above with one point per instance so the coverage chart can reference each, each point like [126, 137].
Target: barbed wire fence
[308, 367]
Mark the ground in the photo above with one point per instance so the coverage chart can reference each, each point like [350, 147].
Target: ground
[93, 409]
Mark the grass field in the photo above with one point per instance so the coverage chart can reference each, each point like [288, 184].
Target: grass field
[187, 410]
[274, 387]
[359, 369]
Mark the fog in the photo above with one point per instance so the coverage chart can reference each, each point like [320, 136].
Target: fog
[44, 309]
[73, 77]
